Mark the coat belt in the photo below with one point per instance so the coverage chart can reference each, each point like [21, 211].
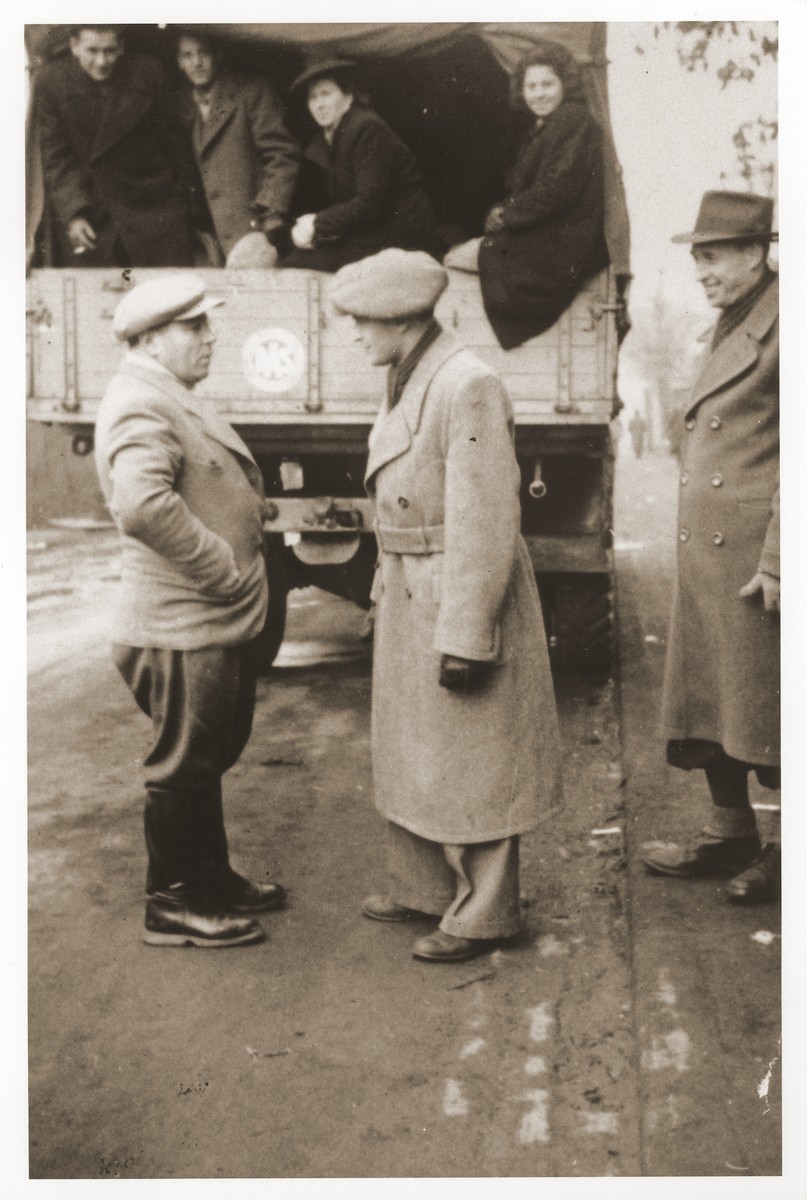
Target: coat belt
[417, 540]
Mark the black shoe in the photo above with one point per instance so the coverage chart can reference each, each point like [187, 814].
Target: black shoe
[181, 921]
[761, 880]
[712, 856]
[444, 947]
[381, 908]
[235, 894]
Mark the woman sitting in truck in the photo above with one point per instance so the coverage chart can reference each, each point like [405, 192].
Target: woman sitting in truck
[546, 238]
[373, 183]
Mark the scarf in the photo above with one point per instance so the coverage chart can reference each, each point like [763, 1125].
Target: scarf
[735, 314]
[400, 374]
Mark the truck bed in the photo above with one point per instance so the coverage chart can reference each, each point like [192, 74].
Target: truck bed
[282, 358]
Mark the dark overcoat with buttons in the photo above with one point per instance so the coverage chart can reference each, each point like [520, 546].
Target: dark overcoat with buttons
[376, 194]
[116, 154]
[247, 158]
[722, 672]
[455, 578]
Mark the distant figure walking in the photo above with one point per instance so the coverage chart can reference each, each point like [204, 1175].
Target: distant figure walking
[638, 433]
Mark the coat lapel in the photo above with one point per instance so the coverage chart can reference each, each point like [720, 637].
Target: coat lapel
[214, 425]
[393, 431]
[222, 107]
[740, 350]
[127, 105]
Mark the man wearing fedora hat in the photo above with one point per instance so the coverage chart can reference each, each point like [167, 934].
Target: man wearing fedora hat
[187, 497]
[720, 706]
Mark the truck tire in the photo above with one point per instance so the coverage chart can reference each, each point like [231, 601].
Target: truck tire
[581, 626]
[270, 639]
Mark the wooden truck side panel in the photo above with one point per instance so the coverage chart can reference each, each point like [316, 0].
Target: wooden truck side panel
[283, 357]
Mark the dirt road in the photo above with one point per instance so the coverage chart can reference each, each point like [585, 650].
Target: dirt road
[626, 1033]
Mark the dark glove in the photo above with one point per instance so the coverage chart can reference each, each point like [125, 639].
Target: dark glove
[461, 674]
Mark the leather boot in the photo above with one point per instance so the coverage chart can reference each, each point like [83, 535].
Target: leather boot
[235, 894]
[706, 856]
[169, 828]
[761, 881]
[174, 917]
[185, 837]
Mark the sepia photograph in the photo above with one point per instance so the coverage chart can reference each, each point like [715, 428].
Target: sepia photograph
[400, 497]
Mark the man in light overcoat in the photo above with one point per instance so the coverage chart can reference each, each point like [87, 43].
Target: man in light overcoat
[247, 159]
[720, 708]
[187, 497]
[465, 744]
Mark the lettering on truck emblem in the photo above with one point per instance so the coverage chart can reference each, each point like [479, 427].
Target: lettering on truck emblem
[273, 360]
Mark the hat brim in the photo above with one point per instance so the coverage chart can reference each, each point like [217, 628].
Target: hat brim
[331, 66]
[199, 309]
[701, 239]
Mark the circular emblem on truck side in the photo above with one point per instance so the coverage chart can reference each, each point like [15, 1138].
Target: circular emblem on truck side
[273, 359]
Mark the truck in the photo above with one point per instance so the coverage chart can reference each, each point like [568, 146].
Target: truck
[287, 375]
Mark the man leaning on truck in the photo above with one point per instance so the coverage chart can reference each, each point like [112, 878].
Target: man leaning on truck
[118, 172]
[187, 497]
[247, 159]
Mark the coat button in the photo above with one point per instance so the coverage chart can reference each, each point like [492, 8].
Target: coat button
[690, 424]
[718, 539]
[683, 536]
[685, 478]
[717, 481]
[403, 502]
[715, 423]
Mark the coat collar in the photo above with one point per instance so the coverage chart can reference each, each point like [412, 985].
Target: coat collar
[129, 103]
[740, 350]
[392, 433]
[140, 367]
[320, 151]
[223, 103]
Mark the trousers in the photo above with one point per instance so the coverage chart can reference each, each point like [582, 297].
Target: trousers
[473, 887]
[201, 704]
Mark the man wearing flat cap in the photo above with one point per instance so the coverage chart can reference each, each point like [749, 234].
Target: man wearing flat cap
[464, 729]
[720, 706]
[187, 498]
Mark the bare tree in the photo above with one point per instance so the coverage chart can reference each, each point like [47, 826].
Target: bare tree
[736, 51]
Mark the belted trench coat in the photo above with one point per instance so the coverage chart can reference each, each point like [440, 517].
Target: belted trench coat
[722, 673]
[455, 577]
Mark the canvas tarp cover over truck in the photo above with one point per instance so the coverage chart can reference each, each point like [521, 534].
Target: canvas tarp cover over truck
[386, 44]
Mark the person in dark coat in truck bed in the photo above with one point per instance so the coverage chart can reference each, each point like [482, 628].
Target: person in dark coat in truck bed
[247, 159]
[376, 193]
[118, 171]
[546, 238]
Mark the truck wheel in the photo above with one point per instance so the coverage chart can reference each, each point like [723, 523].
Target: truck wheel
[270, 638]
[581, 627]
